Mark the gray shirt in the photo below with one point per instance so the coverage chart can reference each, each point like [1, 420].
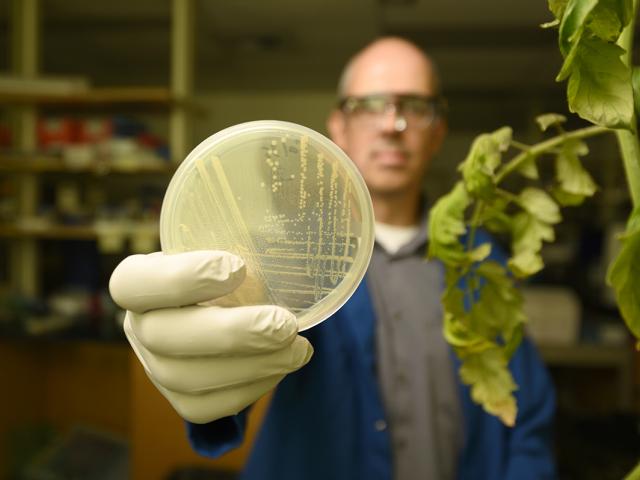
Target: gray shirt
[415, 371]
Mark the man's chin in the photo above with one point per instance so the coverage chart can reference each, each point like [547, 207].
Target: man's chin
[390, 188]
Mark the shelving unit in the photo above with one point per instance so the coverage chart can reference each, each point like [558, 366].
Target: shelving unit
[51, 164]
[110, 97]
[27, 166]
[60, 382]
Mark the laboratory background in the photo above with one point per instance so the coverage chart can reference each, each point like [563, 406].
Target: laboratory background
[99, 103]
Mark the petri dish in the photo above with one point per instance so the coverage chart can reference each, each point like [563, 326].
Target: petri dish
[288, 201]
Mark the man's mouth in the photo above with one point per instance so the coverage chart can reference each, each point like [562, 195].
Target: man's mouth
[390, 157]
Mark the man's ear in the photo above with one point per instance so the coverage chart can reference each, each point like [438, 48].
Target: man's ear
[336, 127]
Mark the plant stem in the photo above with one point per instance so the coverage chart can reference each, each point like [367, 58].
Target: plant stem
[628, 139]
[477, 211]
[520, 146]
[634, 474]
[547, 145]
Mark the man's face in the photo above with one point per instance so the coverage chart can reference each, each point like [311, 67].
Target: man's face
[384, 129]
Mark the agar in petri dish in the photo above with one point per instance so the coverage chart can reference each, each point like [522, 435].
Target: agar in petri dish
[289, 202]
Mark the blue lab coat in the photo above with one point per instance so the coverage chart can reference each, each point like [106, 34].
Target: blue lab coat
[322, 420]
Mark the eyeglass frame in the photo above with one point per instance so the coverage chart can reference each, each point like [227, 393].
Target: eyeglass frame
[436, 102]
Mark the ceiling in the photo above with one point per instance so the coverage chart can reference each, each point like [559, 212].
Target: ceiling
[484, 45]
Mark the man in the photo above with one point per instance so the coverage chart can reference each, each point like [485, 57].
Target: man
[379, 398]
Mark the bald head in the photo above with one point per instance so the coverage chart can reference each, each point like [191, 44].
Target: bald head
[383, 64]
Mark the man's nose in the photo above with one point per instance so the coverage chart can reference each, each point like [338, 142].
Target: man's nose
[392, 121]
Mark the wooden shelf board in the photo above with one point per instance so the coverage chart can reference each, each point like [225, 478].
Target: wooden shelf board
[586, 355]
[62, 232]
[51, 164]
[94, 96]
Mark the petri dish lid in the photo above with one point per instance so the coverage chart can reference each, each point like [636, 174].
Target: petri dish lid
[289, 202]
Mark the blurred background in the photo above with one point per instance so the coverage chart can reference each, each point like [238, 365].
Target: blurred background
[100, 101]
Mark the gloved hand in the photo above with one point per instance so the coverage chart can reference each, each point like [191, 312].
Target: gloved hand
[208, 361]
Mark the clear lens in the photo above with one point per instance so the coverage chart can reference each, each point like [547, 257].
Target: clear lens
[418, 111]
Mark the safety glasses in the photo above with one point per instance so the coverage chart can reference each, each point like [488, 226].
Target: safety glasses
[411, 111]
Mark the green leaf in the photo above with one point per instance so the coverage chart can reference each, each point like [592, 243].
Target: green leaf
[573, 23]
[446, 225]
[557, 7]
[492, 385]
[604, 21]
[539, 205]
[590, 20]
[608, 18]
[624, 275]
[514, 339]
[599, 88]
[572, 178]
[478, 169]
[625, 11]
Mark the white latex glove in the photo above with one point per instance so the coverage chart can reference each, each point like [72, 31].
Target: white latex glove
[208, 361]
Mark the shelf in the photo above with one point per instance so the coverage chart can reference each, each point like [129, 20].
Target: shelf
[147, 96]
[52, 164]
[55, 232]
[586, 355]
[67, 232]
[615, 362]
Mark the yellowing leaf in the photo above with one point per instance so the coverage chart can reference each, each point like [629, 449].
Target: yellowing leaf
[529, 232]
[459, 335]
[527, 236]
[491, 383]
[571, 176]
[446, 225]
[525, 263]
[480, 252]
[551, 24]
[499, 308]
[528, 168]
[540, 205]
[546, 120]
[493, 216]
[478, 169]
[452, 297]
[566, 199]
